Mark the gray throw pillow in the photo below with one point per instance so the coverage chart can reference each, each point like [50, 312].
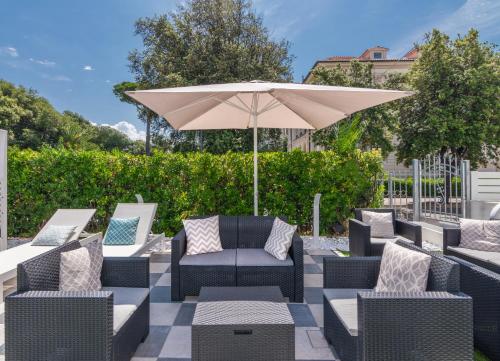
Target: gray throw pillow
[402, 270]
[279, 241]
[80, 269]
[381, 223]
[480, 235]
[54, 235]
[202, 235]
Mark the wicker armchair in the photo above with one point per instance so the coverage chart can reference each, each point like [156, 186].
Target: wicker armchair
[365, 325]
[480, 279]
[361, 243]
[43, 323]
[243, 262]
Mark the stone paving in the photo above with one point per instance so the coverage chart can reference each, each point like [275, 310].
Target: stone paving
[170, 331]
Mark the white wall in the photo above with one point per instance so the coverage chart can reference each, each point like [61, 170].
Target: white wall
[485, 186]
[3, 190]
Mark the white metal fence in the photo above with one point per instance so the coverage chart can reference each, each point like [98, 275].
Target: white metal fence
[437, 189]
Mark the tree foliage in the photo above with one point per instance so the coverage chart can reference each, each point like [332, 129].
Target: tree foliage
[32, 122]
[207, 42]
[374, 126]
[455, 109]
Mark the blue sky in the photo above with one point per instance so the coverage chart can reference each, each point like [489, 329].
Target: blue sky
[72, 52]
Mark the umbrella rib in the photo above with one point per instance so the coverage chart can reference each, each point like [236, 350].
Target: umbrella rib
[187, 106]
[233, 105]
[314, 101]
[243, 103]
[273, 103]
[300, 116]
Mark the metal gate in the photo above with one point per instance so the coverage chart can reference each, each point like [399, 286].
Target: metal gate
[436, 188]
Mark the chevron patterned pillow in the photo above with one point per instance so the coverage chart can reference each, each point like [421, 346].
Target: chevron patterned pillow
[280, 239]
[202, 235]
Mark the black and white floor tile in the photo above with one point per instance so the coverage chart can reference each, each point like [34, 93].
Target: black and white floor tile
[170, 333]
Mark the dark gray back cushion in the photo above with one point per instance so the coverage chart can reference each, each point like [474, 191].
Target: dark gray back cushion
[253, 232]
[41, 273]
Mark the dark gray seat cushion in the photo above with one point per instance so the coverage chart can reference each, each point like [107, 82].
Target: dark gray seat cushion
[379, 243]
[344, 303]
[485, 256]
[126, 300]
[226, 257]
[257, 257]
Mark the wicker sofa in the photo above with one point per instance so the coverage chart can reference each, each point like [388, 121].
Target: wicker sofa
[451, 247]
[243, 262]
[42, 323]
[365, 325]
[361, 243]
[480, 279]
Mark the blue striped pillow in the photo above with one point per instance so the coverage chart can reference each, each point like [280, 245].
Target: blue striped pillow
[121, 232]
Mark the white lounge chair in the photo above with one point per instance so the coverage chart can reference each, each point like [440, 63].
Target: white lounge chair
[12, 256]
[143, 239]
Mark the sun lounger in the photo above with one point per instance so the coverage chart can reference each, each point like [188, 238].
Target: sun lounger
[10, 258]
[146, 212]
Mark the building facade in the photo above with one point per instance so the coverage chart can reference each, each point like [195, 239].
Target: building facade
[382, 67]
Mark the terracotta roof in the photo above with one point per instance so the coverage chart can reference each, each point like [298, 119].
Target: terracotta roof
[412, 54]
[366, 53]
[409, 56]
[340, 57]
[333, 59]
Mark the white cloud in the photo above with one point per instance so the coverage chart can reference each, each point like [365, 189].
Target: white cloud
[129, 130]
[56, 77]
[9, 50]
[483, 15]
[88, 68]
[47, 63]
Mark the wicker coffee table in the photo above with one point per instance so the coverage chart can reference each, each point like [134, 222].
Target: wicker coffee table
[242, 323]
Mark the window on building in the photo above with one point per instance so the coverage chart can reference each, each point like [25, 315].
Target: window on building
[377, 55]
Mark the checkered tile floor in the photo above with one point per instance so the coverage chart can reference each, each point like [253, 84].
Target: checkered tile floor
[170, 333]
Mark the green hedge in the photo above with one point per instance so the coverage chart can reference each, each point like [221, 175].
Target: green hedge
[430, 185]
[188, 184]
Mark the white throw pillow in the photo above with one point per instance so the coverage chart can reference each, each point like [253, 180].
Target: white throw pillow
[202, 235]
[480, 235]
[403, 270]
[492, 229]
[280, 240]
[54, 235]
[80, 269]
[381, 223]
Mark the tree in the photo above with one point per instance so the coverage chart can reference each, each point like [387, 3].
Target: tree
[207, 42]
[455, 109]
[377, 124]
[32, 122]
[144, 113]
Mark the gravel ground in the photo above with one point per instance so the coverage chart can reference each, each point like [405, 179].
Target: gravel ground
[325, 243]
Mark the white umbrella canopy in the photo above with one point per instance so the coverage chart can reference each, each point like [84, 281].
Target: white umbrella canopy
[258, 104]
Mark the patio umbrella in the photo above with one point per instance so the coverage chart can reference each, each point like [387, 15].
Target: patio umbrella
[258, 104]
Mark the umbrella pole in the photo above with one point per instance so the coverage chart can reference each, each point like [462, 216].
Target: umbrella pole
[255, 170]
